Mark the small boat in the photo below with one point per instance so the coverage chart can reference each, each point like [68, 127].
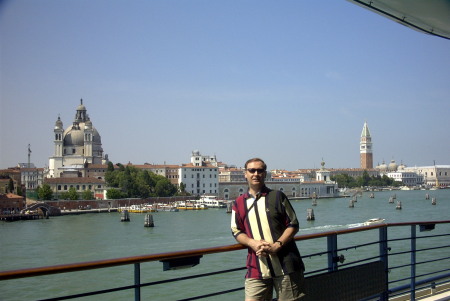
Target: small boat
[166, 207]
[373, 221]
[190, 206]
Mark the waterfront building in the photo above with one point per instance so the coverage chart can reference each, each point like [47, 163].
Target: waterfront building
[201, 176]
[231, 175]
[433, 176]
[11, 203]
[292, 189]
[295, 184]
[281, 175]
[81, 184]
[75, 146]
[31, 178]
[199, 180]
[407, 178]
[365, 148]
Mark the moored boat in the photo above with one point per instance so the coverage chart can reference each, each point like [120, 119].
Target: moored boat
[211, 201]
[190, 205]
[145, 208]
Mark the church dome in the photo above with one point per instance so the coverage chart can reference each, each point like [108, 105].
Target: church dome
[74, 135]
[383, 167]
[393, 166]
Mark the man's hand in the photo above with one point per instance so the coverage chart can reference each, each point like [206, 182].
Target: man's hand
[265, 248]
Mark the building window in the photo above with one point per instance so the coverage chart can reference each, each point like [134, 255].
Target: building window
[59, 187]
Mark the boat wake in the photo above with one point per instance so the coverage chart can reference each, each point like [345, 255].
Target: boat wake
[331, 227]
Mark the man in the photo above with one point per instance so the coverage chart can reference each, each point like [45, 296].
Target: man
[264, 221]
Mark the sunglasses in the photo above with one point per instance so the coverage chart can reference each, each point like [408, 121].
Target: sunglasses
[253, 170]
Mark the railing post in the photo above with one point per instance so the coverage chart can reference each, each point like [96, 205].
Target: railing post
[137, 282]
[413, 262]
[332, 252]
[384, 258]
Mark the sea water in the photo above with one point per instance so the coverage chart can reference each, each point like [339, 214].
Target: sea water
[98, 236]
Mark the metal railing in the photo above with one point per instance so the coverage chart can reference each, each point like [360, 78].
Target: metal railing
[413, 261]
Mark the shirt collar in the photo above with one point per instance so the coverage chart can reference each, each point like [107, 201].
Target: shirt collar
[263, 192]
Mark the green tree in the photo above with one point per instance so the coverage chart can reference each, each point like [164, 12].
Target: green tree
[365, 178]
[344, 181]
[164, 188]
[113, 194]
[44, 192]
[71, 194]
[87, 195]
[132, 182]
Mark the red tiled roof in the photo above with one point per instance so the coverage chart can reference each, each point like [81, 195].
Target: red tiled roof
[88, 180]
[10, 196]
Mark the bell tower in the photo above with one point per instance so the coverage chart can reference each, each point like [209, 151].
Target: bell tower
[365, 148]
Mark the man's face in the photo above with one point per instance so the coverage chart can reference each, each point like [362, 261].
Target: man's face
[255, 173]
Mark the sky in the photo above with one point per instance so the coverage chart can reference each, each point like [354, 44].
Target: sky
[289, 81]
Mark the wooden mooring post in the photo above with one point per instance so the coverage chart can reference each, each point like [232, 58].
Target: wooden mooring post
[125, 216]
[149, 221]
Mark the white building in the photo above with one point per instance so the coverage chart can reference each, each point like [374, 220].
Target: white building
[435, 175]
[407, 178]
[201, 176]
[75, 146]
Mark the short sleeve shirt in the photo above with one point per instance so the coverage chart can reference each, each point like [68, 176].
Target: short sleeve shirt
[266, 217]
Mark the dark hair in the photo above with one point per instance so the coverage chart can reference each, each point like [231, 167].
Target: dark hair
[256, 160]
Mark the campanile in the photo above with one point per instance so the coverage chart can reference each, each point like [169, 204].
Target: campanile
[365, 148]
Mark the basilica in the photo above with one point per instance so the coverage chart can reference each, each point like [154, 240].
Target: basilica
[76, 146]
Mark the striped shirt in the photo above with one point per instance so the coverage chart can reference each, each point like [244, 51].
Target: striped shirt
[266, 217]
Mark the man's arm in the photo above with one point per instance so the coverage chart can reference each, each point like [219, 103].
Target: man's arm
[256, 245]
[276, 246]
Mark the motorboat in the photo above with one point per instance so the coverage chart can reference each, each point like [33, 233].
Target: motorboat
[373, 221]
[211, 201]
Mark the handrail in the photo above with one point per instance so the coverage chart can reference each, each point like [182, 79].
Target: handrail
[136, 260]
[82, 266]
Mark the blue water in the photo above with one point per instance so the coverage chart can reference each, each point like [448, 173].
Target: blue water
[80, 238]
